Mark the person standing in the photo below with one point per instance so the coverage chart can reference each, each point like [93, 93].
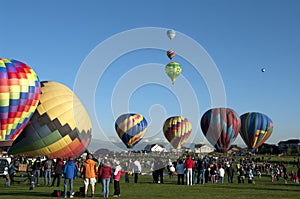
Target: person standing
[69, 171]
[36, 167]
[221, 174]
[47, 171]
[137, 169]
[105, 173]
[88, 171]
[230, 172]
[188, 165]
[180, 172]
[117, 177]
[58, 171]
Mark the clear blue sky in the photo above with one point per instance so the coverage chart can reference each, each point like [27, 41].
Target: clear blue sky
[56, 38]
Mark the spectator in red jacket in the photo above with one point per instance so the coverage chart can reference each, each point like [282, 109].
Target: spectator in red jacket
[188, 165]
[105, 174]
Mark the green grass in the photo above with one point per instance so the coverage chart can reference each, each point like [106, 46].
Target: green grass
[263, 188]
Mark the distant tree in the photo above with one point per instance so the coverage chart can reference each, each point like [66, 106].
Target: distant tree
[289, 150]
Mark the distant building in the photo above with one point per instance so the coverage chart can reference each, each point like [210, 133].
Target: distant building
[203, 148]
[290, 147]
[155, 148]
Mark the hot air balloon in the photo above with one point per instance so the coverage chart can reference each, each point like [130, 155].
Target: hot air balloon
[171, 54]
[131, 128]
[19, 97]
[171, 34]
[263, 70]
[221, 127]
[173, 70]
[177, 130]
[256, 128]
[60, 126]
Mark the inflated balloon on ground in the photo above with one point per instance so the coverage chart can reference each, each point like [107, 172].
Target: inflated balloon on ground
[60, 126]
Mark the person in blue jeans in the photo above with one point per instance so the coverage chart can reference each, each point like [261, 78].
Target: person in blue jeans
[48, 171]
[70, 171]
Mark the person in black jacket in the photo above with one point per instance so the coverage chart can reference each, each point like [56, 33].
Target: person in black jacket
[58, 171]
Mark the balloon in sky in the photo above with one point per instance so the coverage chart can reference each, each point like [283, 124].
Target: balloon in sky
[19, 97]
[131, 128]
[263, 70]
[177, 130]
[173, 70]
[171, 54]
[171, 34]
[256, 128]
[60, 126]
[221, 127]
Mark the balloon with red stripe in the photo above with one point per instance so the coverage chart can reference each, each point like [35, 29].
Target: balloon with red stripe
[177, 130]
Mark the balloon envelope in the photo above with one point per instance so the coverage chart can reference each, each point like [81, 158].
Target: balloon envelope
[171, 34]
[171, 54]
[19, 97]
[60, 127]
[131, 128]
[221, 127]
[256, 128]
[173, 70]
[177, 130]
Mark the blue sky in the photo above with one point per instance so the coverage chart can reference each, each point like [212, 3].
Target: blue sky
[235, 39]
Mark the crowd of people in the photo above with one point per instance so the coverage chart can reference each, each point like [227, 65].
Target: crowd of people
[190, 170]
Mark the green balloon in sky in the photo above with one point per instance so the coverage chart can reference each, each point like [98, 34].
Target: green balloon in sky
[173, 70]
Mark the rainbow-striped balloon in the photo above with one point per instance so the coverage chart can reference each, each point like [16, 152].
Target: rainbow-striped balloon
[131, 128]
[177, 130]
[19, 97]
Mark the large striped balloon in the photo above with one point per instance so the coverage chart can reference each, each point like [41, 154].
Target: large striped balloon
[173, 70]
[177, 130]
[19, 97]
[131, 128]
[256, 129]
[221, 127]
[60, 127]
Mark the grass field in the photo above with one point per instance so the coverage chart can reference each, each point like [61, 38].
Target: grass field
[263, 188]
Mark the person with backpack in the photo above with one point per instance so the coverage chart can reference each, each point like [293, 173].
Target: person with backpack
[47, 171]
[70, 172]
